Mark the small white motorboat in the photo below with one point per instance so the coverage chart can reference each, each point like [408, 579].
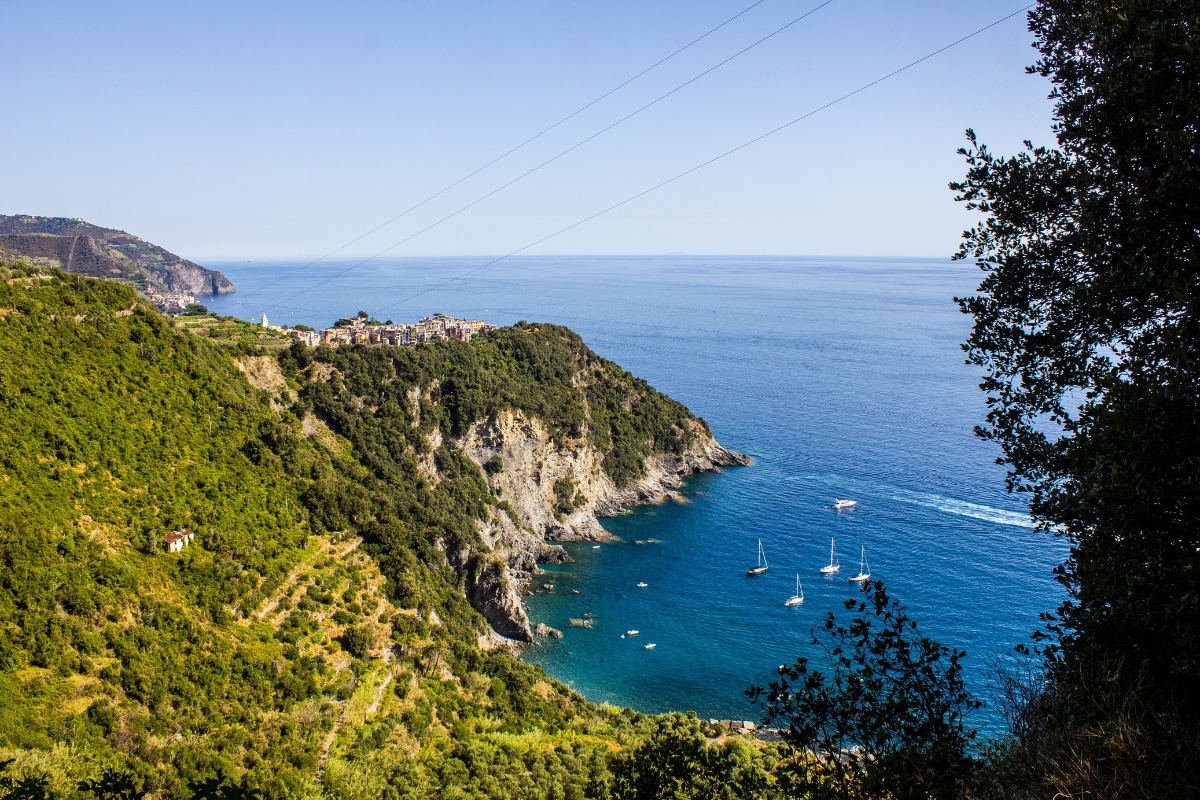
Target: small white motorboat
[761, 565]
[595, 547]
[642, 585]
[834, 564]
[631, 633]
[864, 570]
[839, 503]
[651, 646]
[798, 597]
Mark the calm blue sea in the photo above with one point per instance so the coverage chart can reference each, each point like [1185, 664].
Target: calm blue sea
[841, 377]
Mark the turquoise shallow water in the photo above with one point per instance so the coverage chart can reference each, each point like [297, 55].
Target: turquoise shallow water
[840, 377]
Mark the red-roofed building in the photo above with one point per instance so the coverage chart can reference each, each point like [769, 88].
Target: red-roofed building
[177, 540]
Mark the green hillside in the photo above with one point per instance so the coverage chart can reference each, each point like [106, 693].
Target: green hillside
[313, 640]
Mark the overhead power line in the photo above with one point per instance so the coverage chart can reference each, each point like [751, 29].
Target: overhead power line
[508, 153]
[712, 160]
[554, 158]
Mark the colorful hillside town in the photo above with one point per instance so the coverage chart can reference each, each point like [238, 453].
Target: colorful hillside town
[170, 302]
[363, 330]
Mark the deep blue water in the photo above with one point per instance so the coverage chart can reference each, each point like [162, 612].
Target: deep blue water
[840, 377]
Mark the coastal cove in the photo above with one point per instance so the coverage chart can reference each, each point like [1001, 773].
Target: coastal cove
[839, 377]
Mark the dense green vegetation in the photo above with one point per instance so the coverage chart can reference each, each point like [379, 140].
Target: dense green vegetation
[276, 648]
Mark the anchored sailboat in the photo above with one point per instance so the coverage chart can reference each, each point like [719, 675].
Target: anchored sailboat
[761, 566]
[798, 597]
[864, 569]
[834, 564]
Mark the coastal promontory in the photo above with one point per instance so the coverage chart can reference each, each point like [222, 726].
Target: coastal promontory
[234, 560]
[79, 247]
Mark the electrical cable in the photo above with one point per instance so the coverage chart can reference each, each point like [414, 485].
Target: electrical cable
[552, 159]
[712, 160]
[508, 153]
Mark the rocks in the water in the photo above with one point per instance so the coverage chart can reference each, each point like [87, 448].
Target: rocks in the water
[542, 629]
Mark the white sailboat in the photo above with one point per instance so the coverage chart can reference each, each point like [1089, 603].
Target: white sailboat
[798, 597]
[864, 570]
[834, 564]
[839, 503]
[761, 566]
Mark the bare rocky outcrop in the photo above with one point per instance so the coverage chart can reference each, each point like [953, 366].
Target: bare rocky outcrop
[530, 465]
[263, 373]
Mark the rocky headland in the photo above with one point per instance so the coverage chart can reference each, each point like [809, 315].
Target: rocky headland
[81, 248]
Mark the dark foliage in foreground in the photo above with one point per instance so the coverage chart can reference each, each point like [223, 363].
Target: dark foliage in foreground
[887, 720]
[1087, 325]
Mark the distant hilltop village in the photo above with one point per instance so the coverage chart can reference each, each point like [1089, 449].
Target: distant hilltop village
[363, 330]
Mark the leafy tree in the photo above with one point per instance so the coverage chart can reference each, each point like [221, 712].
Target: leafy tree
[1086, 326]
[357, 641]
[888, 719]
[114, 784]
[27, 787]
[195, 310]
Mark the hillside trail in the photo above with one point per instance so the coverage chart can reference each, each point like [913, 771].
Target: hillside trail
[327, 745]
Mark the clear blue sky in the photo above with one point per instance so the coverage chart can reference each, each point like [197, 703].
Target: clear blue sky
[286, 129]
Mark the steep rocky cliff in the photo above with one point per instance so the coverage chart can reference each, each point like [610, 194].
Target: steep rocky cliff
[528, 471]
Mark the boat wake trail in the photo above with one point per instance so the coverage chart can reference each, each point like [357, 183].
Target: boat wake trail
[962, 508]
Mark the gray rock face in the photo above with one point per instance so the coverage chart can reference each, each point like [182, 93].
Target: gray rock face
[531, 465]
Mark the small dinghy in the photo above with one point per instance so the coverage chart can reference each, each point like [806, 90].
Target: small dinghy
[576, 591]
